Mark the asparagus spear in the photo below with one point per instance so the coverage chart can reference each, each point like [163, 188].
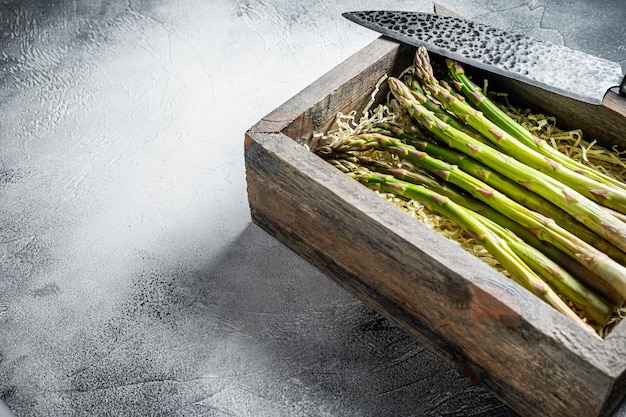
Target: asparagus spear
[543, 227]
[494, 113]
[494, 242]
[581, 208]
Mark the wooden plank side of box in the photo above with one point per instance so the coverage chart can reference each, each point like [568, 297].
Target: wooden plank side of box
[527, 354]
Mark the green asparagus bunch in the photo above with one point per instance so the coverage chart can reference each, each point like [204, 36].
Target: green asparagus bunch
[554, 224]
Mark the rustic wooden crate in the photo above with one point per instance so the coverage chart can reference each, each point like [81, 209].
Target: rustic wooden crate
[530, 356]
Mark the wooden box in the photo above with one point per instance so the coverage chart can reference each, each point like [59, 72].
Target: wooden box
[528, 355]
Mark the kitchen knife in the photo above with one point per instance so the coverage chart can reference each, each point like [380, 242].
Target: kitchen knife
[549, 66]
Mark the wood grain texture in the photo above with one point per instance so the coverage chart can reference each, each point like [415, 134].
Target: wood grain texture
[531, 357]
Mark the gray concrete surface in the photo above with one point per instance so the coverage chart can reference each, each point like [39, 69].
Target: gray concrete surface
[132, 282]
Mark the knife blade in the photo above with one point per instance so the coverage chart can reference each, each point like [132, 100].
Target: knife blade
[546, 65]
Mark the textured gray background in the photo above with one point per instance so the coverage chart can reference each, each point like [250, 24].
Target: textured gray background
[131, 279]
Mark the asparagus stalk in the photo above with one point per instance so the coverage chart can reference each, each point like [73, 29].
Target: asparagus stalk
[612, 273]
[581, 208]
[494, 113]
[483, 233]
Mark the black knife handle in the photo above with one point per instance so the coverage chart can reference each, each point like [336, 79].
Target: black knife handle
[622, 87]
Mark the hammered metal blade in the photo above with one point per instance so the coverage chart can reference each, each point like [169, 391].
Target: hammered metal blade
[553, 67]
